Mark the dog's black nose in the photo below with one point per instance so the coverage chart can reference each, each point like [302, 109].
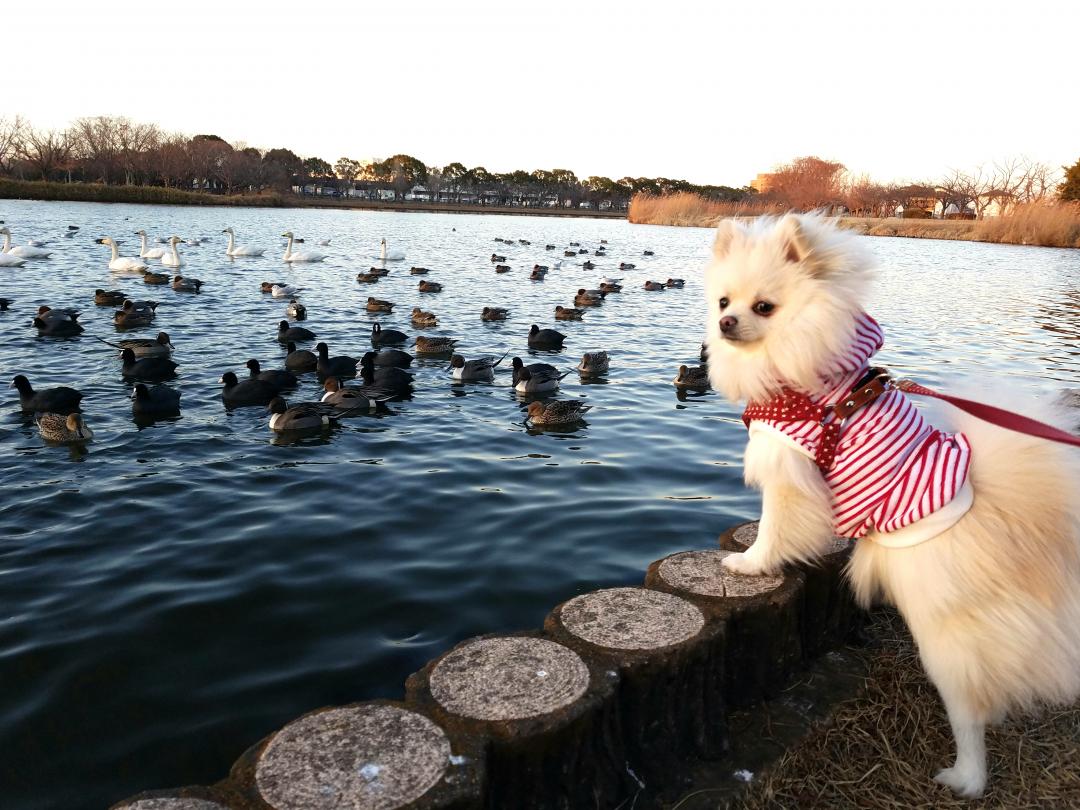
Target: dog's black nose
[728, 322]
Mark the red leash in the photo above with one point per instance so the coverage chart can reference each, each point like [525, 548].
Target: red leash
[995, 416]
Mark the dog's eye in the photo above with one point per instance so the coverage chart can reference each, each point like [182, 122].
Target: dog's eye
[764, 308]
[723, 303]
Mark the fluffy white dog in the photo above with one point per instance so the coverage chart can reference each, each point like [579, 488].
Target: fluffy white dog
[974, 535]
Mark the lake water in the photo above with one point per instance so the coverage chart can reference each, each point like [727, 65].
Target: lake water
[179, 590]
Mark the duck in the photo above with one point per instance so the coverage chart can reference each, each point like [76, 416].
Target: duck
[392, 379]
[538, 371]
[378, 305]
[64, 428]
[537, 275]
[575, 244]
[648, 253]
[593, 364]
[582, 250]
[22, 251]
[287, 333]
[545, 338]
[603, 241]
[235, 250]
[122, 264]
[675, 282]
[588, 298]
[611, 281]
[367, 278]
[299, 256]
[653, 286]
[131, 316]
[430, 287]
[155, 278]
[340, 366]
[479, 370]
[539, 382]
[282, 379]
[193, 241]
[695, 378]
[569, 254]
[393, 357]
[434, 345]
[157, 400]
[109, 298]
[246, 393]
[390, 255]
[378, 271]
[494, 314]
[625, 266]
[57, 322]
[549, 247]
[172, 257]
[268, 286]
[588, 265]
[323, 243]
[153, 369]
[5, 303]
[496, 258]
[558, 412]
[422, 318]
[610, 288]
[186, 284]
[540, 268]
[380, 336]
[296, 310]
[300, 359]
[161, 346]
[502, 268]
[307, 416]
[284, 291]
[148, 252]
[62, 399]
[524, 242]
[419, 271]
[351, 399]
[568, 313]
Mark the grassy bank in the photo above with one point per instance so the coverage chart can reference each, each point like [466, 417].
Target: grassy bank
[154, 195]
[881, 749]
[1035, 224]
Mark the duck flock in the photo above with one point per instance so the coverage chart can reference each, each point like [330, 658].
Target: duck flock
[349, 385]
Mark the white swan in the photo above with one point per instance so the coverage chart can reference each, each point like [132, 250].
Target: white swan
[242, 250]
[172, 258]
[122, 264]
[394, 256]
[22, 251]
[290, 256]
[148, 253]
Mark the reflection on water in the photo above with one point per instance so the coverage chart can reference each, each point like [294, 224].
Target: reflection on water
[193, 583]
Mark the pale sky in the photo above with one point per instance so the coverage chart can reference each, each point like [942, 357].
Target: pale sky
[708, 92]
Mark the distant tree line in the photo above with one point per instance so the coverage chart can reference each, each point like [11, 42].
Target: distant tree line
[118, 151]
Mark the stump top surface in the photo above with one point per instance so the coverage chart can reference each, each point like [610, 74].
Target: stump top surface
[747, 534]
[170, 803]
[355, 758]
[508, 678]
[631, 619]
[700, 572]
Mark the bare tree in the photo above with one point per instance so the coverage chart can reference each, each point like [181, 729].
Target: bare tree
[95, 146]
[11, 134]
[47, 151]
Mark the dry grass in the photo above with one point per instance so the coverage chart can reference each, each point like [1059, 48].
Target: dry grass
[97, 192]
[1034, 224]
[881, 749]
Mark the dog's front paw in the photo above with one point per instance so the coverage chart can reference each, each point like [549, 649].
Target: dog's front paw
[742, 563]
[969, 783]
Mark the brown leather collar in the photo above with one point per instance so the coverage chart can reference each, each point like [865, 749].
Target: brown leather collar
[870, 387]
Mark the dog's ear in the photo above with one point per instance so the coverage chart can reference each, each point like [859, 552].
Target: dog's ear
[797, 245]
[726, 231]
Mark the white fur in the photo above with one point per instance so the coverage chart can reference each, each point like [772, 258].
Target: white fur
[994, 602]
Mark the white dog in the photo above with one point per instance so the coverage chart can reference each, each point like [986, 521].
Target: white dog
[974, 535]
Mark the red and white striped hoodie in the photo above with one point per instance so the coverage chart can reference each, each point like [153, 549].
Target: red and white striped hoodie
[893, 477]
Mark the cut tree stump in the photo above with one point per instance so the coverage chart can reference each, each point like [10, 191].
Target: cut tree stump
[186, 798]
[762, 644]
[543, 715]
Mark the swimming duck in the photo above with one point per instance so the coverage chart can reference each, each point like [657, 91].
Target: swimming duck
[296, 310]
[61, 399]
[524, 242]
[350, 399]
[675, 282]
[434, 345]
[160, 346]
[339, 366]
[540, 268]
[379, 271]
[479, 370]
[588, 298]
[184, 284]
[158, 400]
[109, 298]
[287, 333]
[367, 278]
[378, 305]
[538, 275]
[694, 378]
[282, 379]
[422, 318]
[429, 287]
[549, 247]
[568, 314]
[132, 317]
[588, 265]
[647, 253]
[57, 322]
[494, 314]
[391, 378]
[155, 278]
[303, 417]
[593, 364]
[545, 338]
[152, 369]
[245, 393]
[502, 268]
[653, 286]
[380, 336]
[393, 357]
[575, 244]
[300, 359]
[268, 286]
[610, 288]
[284, 291]
[582, 250]
[518, 365]
[569, 253]
[419, 271]
[625, 266]
[558, 412]
[495, 258]
[57, 427]
[5, 303]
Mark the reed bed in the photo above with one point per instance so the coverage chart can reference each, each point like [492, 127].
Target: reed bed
[689, 209]
[97, 192]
